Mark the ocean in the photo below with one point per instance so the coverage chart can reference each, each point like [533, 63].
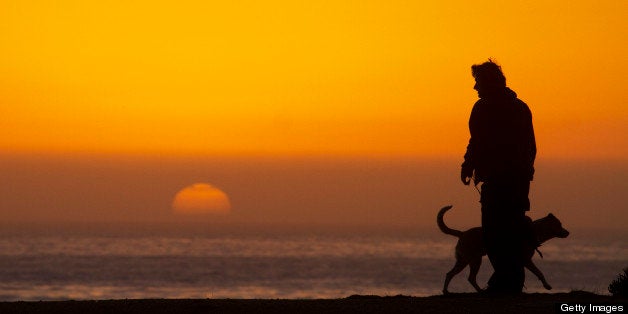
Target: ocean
[130, 262]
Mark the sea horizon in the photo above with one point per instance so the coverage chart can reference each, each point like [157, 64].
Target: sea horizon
[114, 262]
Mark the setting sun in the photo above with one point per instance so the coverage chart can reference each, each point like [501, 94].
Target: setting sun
[201, 198]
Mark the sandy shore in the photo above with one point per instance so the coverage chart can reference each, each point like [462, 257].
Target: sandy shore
[457, 303]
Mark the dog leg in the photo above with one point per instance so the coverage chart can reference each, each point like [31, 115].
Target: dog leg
[474, 266]
[454, 271]
[530, 265]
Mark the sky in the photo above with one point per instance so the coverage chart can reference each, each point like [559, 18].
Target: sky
[355, 96]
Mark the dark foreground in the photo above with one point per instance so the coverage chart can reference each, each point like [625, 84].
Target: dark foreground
[456, 303]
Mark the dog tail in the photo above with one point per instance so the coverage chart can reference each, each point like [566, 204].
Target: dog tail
[441, 223]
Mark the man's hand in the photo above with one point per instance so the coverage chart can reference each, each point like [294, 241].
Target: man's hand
[465, 175]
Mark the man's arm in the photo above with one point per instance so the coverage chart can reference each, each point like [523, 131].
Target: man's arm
[466, 173]
[531, 145]
[468, 166]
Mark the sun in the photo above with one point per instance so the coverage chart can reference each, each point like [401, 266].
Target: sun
[201, 198]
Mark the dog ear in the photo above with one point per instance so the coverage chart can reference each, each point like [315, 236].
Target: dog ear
[551, 215]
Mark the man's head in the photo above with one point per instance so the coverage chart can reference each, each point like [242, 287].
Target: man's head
[488, 78]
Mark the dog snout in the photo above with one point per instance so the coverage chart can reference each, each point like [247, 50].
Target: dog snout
[563, 233]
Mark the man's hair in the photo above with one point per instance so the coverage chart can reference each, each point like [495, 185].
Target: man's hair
[489, 73]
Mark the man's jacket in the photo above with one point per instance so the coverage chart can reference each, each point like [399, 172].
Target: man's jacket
[502, 144]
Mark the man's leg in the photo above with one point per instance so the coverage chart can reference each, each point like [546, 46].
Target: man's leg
[504, 247]
[503, 238]
[492, 233]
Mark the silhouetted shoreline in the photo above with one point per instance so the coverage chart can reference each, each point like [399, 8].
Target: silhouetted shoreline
[454, 303]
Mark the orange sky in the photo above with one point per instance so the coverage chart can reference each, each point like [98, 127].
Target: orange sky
[109, 108]
[319, 77]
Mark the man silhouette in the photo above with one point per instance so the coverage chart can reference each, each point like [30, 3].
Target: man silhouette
[500, 155]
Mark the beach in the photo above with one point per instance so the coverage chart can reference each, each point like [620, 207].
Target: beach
[456, 303]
